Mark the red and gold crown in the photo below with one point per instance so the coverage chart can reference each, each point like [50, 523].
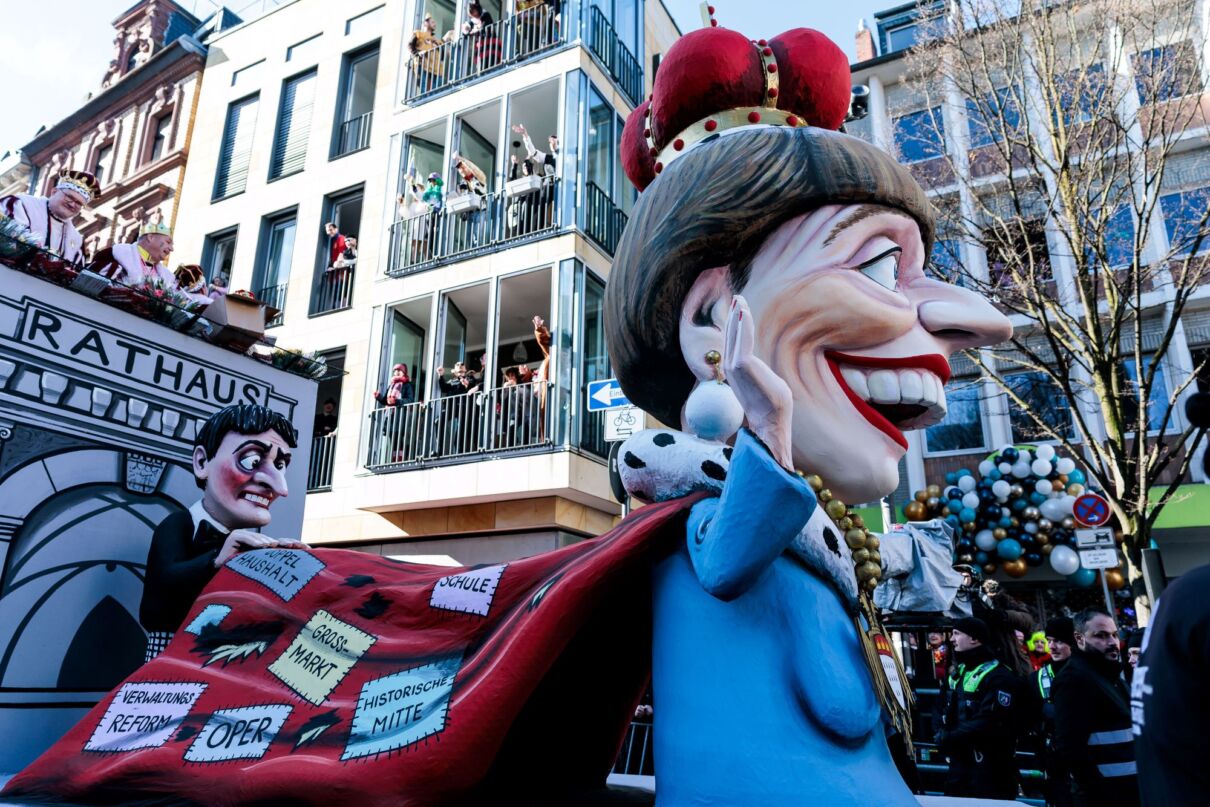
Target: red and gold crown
[714, 80]
[81, 182]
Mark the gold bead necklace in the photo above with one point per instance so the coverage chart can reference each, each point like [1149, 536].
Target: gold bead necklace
[867, 561]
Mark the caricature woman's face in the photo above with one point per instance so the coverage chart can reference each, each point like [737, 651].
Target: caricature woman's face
[245, 476]
[846, 316]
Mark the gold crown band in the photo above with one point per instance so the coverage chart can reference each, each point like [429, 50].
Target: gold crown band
[72, 185]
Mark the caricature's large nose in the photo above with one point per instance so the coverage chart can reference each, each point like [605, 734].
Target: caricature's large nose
[963, 319]
[270, 476]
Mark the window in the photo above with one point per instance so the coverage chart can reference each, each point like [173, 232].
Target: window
[945, 261]
[1082, 95]
[161, 129]
[293, 126]
[359, 78]
[406, 344]
[1016, 249]
[235, 153]
[1161, 74]
[1044, 399]
[608, 195]
[218, 255]
[1157, 401]
[594, 356]
[1185, 220]
[901, 37]
[277, 253]
[920, 135]
[998, 112]
[962, 428]
[100, 163]
[1117, 240]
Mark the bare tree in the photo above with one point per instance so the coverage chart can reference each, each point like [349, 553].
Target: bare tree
[1061, 198]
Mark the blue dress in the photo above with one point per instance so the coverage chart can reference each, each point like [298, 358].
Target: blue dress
[761, 693]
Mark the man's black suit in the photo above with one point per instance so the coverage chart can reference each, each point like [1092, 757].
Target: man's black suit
[179, 565]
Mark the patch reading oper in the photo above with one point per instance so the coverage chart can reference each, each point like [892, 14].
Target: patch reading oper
[320, 656]
[469, 592]
[282, 571]
[400, 709]
[143, 715]
[243, 733]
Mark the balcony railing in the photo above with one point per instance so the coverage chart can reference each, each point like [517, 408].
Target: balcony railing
[274, 297]
[354, 134]
[500, 421]
[488, 223]
[634, 757]
[506, 42]
[621, 64]
[333, 291]
[603, 220]
[319, 470]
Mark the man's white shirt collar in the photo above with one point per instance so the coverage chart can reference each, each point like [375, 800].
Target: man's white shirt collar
[199, 514]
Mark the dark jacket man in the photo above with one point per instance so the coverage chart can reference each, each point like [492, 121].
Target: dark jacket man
[978, 720]
[1060, 638]
[1093, 735]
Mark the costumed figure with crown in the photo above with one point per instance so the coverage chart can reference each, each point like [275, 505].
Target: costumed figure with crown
[144, 260]
[49, 219]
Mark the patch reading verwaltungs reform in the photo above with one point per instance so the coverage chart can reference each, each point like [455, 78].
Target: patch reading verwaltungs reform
[143, 715]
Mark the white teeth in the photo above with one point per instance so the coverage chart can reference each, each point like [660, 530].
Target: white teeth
[907, 386]
[856, 381]
[911, 387]
[884, 387]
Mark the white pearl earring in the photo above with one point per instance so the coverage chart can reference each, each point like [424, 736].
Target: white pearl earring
[712, 411]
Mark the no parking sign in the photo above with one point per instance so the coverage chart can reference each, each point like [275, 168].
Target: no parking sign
[1091, 510]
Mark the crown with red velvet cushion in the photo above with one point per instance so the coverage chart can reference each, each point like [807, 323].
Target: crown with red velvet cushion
[714, 80]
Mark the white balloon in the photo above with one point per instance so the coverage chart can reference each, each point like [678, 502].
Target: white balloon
[1044, 487]
[966, 484]
[1069, 505]
[1025, 457]
[1064, 560]
[986, 467]
[1045, 452]
[971, 500]
[985, 540]
[1031, 527]
[1041, 467]
[1006, 468]
[1065, 465]
[1000, 488]
[1021, 470]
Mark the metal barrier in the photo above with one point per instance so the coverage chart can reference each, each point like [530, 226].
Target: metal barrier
[274, 297]
[603, 220]
[333, 291]
[502, 420]
[319, 469]
[623, 67]
[491, 221]
[354, 134]
[635, 758]
[502, 43]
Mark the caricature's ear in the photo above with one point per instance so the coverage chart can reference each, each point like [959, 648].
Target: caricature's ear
[703, 315]
[200, 463]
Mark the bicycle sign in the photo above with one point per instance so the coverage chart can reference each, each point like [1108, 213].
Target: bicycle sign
[622, 423]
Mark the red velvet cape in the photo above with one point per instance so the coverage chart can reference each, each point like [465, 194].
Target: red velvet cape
[370, 681]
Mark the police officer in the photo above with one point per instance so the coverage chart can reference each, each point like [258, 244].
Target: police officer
[1060, 633]
[978, 718]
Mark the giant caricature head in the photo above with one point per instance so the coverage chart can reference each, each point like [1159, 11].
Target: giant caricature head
[240, 458]
[748, 189]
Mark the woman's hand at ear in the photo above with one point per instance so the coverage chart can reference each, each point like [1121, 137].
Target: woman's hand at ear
[767, 401]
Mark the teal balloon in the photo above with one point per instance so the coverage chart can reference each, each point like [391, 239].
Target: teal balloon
[1009, 549]
[982, 558]
[1083, 577]
[967, 515]
[1076, 477]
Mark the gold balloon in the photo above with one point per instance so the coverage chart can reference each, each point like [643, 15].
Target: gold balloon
[1063, 478]
[1016, 568]
[835, 509]
[858, 521]
[824, 495]
[860, 556]
[872, 542]
[867, 570]
[845, 524]
[855, 538]
[945, 511]
[1069, 523]
[1075, 490]
[876, 557]
[914, 511]
[989, 568]
[1046, 549]
[1115, 579]
[1042, 538]
[922, 496]
[933, 491]
[970, 526]
[999, 533]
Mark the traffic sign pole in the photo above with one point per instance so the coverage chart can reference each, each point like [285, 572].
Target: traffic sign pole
[1108, 599]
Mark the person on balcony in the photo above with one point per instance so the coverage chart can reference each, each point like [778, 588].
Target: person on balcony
[325, 419]
[218, 286]
[471, 180]
[348, 258]
[428, 72]
[520, 217]
[413, 216]
[479, 29]
[336, 244]
[191, 280]
[50, 218]
[549, 160]
[544, 340]
[137, 263]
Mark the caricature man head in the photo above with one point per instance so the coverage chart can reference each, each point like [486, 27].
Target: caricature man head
[240, 458]
[826, 237]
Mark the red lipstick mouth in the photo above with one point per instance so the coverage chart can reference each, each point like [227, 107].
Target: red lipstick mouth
[884, 417]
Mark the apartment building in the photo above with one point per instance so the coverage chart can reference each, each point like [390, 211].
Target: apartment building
[930, 139]
[312, 116]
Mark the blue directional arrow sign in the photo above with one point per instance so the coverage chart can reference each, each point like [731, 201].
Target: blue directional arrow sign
[605, 394]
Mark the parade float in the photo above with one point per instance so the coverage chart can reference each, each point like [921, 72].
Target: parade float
[771, 275]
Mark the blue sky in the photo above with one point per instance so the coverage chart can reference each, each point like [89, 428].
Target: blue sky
[50, 69]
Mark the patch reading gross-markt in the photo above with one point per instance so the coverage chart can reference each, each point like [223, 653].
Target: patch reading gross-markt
[320, 656]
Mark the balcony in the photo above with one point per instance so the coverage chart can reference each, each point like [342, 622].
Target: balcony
[470, 225]
[319, 469]
[274, 297]
[500, 45]
[603, 221]
[616, 58]
[333, 292]
[354, 135]
[508, 420]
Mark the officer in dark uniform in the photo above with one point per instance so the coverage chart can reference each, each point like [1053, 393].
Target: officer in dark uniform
[978, 719]
[1060, 633]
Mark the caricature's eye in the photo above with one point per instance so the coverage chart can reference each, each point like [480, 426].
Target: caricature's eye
[250, 462]
[883, 270]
